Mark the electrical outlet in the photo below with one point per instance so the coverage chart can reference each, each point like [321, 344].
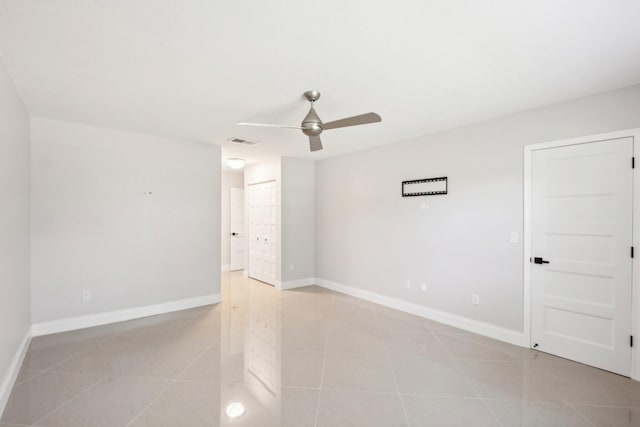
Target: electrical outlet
[423, 286]
[86, 296]
[407, 284]
[475, 299]
[514, 237]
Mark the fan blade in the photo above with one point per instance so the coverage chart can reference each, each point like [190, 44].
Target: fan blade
[268, 125]
[315, 144]
[362, 119]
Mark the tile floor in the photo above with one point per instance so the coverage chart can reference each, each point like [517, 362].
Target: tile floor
[306, 357]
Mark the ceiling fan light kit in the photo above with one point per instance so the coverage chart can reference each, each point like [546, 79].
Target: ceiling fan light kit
[312, 126]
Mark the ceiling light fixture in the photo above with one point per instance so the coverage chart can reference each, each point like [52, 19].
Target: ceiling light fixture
[235, 409]
[235, 163]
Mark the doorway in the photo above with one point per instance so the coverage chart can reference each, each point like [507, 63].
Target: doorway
[579, 271]
[236, 221]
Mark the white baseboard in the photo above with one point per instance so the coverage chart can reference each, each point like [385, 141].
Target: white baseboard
[12, 373]
[224, 267]
[292, 284]
[475, 326]
[90, 320]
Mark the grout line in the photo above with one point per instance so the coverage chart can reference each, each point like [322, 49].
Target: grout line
[457, 364]
[324, 364]
[581, 414]
[383, 393]
[299, 387]
[393, 374]
[163, 391]
[513, 361]
[100, 380]
[52, 367]
[599, 405]
[24, 380]
[170, 384]
[446, 396]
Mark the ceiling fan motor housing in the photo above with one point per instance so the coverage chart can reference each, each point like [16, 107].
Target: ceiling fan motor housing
[312, 125]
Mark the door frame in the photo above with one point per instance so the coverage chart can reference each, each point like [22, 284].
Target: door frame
[635, 272]
[231, 190]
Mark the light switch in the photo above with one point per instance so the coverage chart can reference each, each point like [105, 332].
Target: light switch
[514, 237]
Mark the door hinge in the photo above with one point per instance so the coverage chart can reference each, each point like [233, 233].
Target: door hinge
[633, 163]
[631, 251]
[631, 341]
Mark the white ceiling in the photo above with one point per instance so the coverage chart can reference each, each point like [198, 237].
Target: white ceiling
[192, 68]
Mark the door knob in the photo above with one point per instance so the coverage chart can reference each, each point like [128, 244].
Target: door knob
[234, 234]
[538, 260]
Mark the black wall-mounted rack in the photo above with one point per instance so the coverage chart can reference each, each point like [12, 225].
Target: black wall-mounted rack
[441, 188]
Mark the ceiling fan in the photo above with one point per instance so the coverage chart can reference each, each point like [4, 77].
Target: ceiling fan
[312, 126]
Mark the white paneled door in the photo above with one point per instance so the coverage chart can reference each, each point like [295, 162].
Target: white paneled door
[237, 241]
[581, 239]
[263, 255]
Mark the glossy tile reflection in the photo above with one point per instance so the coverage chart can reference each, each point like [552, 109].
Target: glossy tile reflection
[304, 357]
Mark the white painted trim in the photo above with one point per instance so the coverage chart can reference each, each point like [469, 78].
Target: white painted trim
[584, 139]
[635, 297]
[475, 326]
[98, 319]
[526, 242]
[292, 284]
[635, 301]
[224, 267]
[12, 373]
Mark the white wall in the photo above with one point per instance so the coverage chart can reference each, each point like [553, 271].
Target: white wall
[298, 221]
[266, 170]
[370, 238]
[229, 180]
[133, 218]
[15, 322]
